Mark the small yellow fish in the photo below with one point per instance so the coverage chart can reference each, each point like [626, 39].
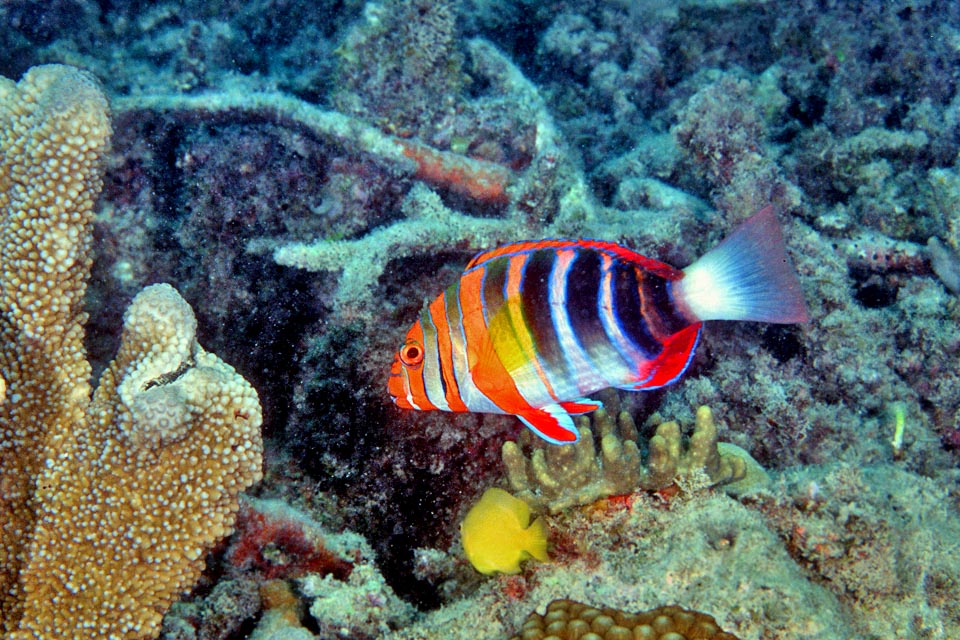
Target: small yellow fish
[497, 534]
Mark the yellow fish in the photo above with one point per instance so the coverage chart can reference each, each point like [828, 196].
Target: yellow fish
[497, 533]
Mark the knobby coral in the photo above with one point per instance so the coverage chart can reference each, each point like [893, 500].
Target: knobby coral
[108, 504]
[554, 478]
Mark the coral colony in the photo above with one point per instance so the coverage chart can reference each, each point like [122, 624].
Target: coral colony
[289, 186]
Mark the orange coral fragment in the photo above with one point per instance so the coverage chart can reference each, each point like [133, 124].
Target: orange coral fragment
[478, 180]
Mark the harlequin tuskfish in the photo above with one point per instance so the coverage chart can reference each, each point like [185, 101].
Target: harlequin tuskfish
[532, 328]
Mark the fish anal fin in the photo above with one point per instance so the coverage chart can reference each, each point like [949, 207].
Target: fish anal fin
[581, 405]
[551, 423]
[674, 359]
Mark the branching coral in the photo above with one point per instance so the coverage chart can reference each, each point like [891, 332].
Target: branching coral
[668, 461]
[109, 504]
[547, 195]
[554, 478]
[53, 129]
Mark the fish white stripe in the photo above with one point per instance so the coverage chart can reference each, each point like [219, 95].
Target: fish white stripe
[611, 325]
[431, 363]
[587, 378]
[408, 387]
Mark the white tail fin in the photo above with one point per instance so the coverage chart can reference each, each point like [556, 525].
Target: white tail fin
[745, 277]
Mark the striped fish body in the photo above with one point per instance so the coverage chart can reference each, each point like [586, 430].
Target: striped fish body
[532, 328]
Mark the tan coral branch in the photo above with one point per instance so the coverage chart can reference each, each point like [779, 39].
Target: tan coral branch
[106, 506]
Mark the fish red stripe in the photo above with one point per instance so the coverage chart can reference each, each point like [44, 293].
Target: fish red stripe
[486, 370]
[438, 313]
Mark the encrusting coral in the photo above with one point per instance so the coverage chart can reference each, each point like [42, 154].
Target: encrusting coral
[108, 505]
[554, 478]
[571, 619]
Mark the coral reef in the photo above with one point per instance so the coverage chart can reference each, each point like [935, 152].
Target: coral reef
[839, 524]
[548, 189]
[566, 618]
[401, 65]
[146, 474]
[722, 131]
[552, 478]
[224, 612]
[383, 143]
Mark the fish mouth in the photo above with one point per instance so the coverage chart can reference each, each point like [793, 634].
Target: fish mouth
[397, 386]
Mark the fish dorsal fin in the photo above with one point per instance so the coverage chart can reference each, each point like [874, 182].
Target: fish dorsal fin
[551, 423]
[612, 248]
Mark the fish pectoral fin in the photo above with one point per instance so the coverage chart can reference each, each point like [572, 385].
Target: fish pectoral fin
[581, 405]
[551, 423]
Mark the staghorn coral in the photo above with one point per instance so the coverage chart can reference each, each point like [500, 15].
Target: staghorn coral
[554, 478]
[143, 478]
[544, 194]
[571, 619]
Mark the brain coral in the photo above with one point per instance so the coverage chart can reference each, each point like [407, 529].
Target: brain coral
[570, 620]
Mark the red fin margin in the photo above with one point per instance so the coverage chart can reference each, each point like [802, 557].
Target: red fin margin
[627, 255]
[673, 360]
[583, 405]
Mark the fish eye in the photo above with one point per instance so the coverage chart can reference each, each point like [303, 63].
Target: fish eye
[411, 354]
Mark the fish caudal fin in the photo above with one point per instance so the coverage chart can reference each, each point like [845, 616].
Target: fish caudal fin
[536, 544]
[745, 277]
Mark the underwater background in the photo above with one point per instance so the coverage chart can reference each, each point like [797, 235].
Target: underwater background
[307, 173]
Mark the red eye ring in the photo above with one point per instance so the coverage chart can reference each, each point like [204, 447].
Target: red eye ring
[411, 354]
